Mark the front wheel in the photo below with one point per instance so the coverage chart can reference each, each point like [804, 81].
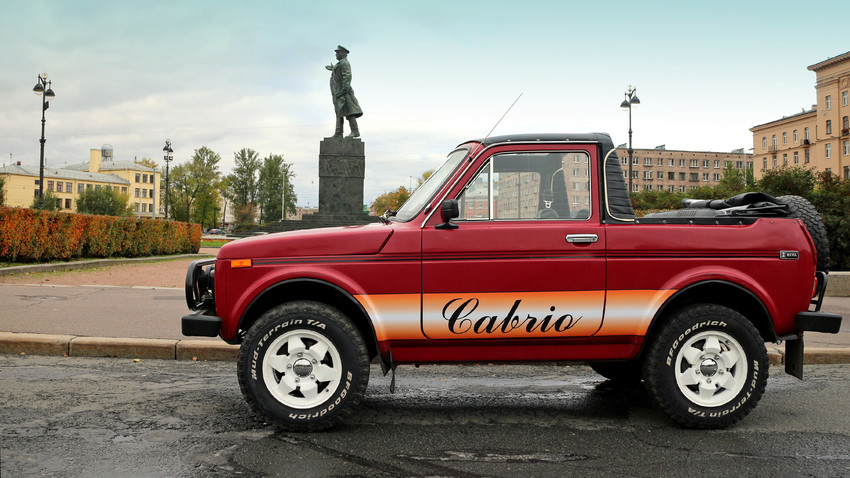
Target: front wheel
[707, 367]
[304, 366]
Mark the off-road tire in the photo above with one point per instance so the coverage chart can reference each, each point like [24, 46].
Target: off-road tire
[707, 367]
[801, 208]
[304, 366]
[625, 373]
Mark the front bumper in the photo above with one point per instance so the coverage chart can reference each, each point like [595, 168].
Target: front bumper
[201, 325]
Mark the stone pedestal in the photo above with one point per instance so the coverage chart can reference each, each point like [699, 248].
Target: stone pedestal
[342, 167]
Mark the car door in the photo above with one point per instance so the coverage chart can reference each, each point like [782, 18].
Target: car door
[526, 261]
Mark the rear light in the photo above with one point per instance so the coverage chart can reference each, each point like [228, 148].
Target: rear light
[241, 264]
[815, 288]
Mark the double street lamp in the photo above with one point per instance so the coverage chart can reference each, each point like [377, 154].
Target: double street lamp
[167, 157]
[631, 99]
[43, 89]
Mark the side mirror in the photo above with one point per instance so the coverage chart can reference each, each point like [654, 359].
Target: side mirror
[448, 211]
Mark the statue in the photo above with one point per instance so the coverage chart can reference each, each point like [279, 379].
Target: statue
[345, 103]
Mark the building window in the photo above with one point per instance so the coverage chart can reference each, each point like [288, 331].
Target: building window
[828, 126]
[88, 187]
[846, 148]
[694, 177]
[69, 187]
[681, 163]
[138, 192]
[683, 176]
[635, 160]
[785, 159]
[739, 164]
[138, 176]
[647, 161]
[716, 164]
[79, 188]
[806, 133]
[144, 193]
[828, 102]
[765, 164]
[625, 161]
[795, 136]
[764, 142]
[706, 163]
[150, 195]
[50, 185]
[844, 98]
[784, 138]
[67, 204]
[661, 160]
[694, 163]
[774, 142]
[845, 125]
[828, 150]
[716, 176]
[671, 162]
[659, 175]
[671, 176]
[806, 155]
[796, 157]
[705, 176]
[136, 207]
[774, 162]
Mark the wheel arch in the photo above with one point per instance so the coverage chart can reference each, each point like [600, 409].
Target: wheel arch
[314, 290]
[727, 294]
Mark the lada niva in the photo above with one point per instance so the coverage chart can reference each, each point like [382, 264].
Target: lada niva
[523, 248]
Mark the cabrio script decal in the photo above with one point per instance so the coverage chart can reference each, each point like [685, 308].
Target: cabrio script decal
[460, 314]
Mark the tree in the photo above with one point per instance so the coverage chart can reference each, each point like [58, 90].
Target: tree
[275, 186]
[781, 181]
[51, 202]
[104, 202]
[147, 162]
[189, 180]
[243, 179]
[390, 201]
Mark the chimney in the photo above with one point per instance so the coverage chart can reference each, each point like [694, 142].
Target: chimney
[19, 163]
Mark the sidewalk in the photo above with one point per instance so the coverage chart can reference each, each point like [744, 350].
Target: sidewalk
[160, 338]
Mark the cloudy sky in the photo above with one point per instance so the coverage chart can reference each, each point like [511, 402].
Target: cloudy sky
[428, 74]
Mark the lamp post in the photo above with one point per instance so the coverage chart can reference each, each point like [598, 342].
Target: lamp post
[167, 157]
[43, 89]
[631, 99]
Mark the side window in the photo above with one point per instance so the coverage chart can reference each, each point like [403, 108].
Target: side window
[524, 186]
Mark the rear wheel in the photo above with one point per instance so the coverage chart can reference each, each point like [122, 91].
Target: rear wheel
[304, 366]
[801, 208]
[707, 367]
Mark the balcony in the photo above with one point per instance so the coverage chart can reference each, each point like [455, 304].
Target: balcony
[845, 131]
[806, 143]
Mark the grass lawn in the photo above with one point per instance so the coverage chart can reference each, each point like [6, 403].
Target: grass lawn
[214, 242]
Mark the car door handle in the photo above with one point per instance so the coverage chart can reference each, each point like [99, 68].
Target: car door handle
[582, 238]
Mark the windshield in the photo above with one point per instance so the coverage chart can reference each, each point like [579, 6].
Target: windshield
[423, 194]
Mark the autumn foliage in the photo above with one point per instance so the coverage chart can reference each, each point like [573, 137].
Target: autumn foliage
[29, 235]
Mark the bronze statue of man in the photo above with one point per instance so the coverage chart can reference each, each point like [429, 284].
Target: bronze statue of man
[345, 103]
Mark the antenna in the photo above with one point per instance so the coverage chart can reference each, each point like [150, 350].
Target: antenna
[503, 117]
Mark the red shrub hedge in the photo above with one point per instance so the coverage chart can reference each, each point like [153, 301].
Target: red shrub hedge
[29, 235]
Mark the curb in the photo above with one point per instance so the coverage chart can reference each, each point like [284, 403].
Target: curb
[88, 264]
[199, 349]
[137, 348]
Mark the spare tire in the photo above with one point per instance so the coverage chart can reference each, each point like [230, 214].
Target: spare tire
[799, 207]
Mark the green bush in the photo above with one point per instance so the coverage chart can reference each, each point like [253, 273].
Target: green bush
[28, 235]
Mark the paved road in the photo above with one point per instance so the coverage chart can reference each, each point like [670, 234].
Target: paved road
[115, 417]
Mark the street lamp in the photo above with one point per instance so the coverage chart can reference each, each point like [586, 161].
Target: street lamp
[167, 157]
[631, 99]
[42, 88]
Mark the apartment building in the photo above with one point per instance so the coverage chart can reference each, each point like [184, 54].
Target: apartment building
[816, 138]
[662, 169]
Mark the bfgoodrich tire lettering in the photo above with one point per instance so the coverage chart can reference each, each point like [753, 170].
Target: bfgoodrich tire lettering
[707, 367]
[304, 366]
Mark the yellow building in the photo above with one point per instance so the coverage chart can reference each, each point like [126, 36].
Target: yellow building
[128, 177]
[662, 169]
[818, 138]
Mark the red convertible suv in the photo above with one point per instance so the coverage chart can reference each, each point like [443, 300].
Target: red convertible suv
[523, 248]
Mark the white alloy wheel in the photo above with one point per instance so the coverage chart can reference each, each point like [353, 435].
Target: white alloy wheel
[302, 368]
[711, 368]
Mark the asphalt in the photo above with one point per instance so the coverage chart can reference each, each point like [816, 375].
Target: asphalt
[819, 348]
